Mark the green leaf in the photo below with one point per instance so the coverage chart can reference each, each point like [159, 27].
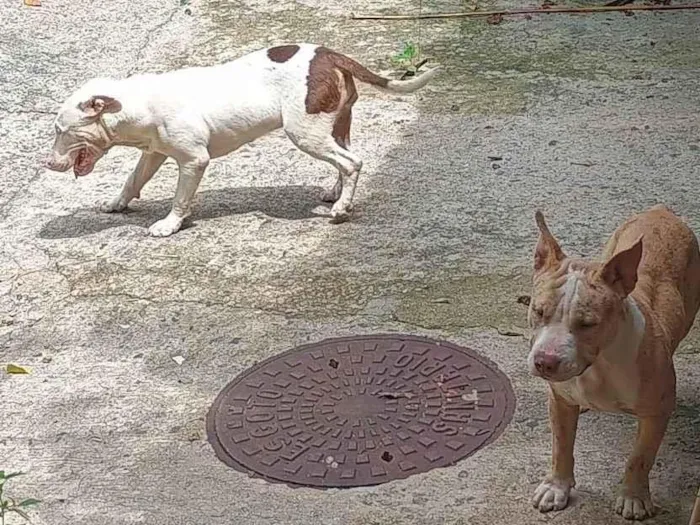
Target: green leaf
[2, 474]
[28, 502]
[13, 475]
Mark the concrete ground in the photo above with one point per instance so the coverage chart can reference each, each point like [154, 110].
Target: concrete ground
[595, 117]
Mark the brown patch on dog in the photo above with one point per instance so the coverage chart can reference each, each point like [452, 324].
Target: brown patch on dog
[325, 89]
[281, 54]
[341, 127]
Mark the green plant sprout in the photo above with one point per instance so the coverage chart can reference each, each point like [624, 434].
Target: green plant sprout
[408, 57]
[7, 504]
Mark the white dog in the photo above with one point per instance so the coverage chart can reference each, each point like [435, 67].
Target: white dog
[197, 114]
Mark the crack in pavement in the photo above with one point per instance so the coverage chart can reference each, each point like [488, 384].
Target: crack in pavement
[147, 42]
[7, 205]
[23, 111]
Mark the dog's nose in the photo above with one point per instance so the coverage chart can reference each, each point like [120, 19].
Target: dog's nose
[49, 162]
[547, 363]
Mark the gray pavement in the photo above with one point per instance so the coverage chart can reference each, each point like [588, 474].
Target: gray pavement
[595, 117]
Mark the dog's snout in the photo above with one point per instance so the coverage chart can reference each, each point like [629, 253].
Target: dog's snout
[547, 363]
[55, 163]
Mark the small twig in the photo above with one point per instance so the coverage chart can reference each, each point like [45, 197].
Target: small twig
[421, 63]
[585, 164]
[597, 9]
[412, 72]
[508, 333]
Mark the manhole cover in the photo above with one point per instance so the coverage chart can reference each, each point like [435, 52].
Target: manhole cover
[359, 411]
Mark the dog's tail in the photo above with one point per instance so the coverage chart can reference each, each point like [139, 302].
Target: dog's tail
[363, 74]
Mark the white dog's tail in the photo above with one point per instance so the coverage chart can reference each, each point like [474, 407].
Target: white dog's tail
[412, 84]
[363, 74]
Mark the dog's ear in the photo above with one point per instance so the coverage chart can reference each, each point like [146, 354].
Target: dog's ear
[98, 104]
[548, 254]
[620, 272]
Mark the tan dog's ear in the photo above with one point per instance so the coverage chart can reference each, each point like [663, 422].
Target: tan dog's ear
[97, 105]
[620, 271]
[548, 254]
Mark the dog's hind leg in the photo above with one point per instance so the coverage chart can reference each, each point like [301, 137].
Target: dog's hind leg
[341, 134]
[313, 134]
[325, 135]
[148, 165]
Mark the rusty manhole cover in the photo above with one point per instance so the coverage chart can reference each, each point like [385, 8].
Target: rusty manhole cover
[359, 411]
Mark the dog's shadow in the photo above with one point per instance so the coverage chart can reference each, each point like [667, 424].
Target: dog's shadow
[285, 202]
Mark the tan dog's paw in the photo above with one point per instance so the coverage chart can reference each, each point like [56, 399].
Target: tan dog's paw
[113, 206]
[340, 213]
[165, 227]
[552, 494]
[635, 505]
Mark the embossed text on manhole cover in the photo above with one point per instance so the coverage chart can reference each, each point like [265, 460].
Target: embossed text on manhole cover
[359, 411]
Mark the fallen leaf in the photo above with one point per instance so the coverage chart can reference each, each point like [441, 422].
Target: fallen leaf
[179, 359]
[32, 3]
[395, 395]
[15, 369]
[524, 299]
[494, 19]
[509, 333]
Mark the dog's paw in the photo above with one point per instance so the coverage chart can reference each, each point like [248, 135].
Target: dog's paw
[113, 206]
[165, 227]
[340, 216]
[552, 494]
[635, 505]
[340, 212]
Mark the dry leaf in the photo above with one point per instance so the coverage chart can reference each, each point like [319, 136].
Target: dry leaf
[32, 3]
[494, 19]
[14, 369]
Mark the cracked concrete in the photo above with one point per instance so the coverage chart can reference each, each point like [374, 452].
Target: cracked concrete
[592, 117]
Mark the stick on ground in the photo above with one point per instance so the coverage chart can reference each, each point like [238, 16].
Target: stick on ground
[552, 10]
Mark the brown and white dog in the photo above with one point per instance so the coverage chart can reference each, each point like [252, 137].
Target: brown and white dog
[604, 335]
[196, 114]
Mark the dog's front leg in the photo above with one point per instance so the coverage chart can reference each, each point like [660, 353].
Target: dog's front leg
[553, 492]
[634, 501]
[147, 166]
[191, 172]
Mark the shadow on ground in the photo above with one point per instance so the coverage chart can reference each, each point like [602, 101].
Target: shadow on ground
[285, 202]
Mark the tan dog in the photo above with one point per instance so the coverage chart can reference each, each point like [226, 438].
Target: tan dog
[604, 335]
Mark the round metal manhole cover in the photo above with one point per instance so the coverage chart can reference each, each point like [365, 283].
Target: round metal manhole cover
[360, 411]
